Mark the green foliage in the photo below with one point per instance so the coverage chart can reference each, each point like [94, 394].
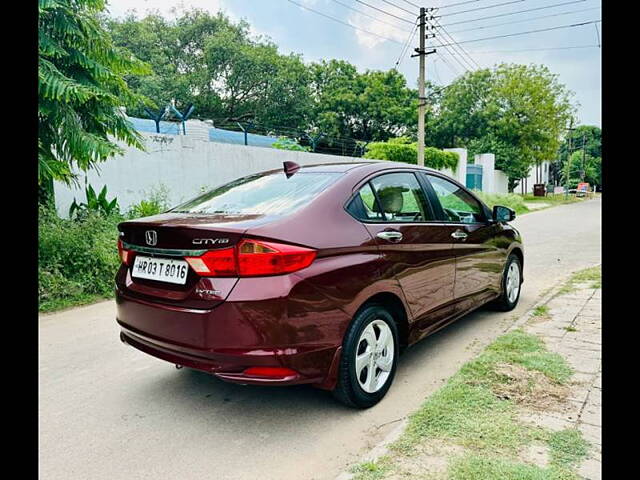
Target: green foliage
[511, 200]
[215, 64]
[80, 89]
[403, 150]
[155, 203]
[517, 112]
[369, 106]
[284, 143]
[95, 204]
[77, 259]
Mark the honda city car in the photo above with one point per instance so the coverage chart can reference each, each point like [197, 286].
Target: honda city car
[317, 275]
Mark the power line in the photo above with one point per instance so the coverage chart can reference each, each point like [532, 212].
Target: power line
[481, 8]
[457, 45]
[406, 46]
[454, 70]
[525, 20]
[459, 3]
[398, 7]
[370, 16]
[528, 32]
[536, 49]
[343, 23]
[411, 3]
[513, 13]
[385, 12]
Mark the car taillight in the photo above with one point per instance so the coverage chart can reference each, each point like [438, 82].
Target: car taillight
[252, 258]
[215, 263]
[125, 255]
[257, 258]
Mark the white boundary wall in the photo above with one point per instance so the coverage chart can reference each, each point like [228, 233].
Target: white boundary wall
[183, 165]
[186, 166]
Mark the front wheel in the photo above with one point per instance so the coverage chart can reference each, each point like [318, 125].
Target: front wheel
[511, 283]
[369, 358]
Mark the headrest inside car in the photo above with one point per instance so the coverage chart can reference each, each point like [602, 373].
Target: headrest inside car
[391, 199]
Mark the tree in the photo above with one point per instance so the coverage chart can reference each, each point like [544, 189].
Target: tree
[81, 89]
[517, 112]
[369, 106]
[209, 61]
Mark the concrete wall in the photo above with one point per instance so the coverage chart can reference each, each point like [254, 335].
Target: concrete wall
[185, 166]
[500, 182]
[488, 161]
[461, 170]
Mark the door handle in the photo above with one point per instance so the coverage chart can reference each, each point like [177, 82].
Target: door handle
[459, 234]
[390, 236]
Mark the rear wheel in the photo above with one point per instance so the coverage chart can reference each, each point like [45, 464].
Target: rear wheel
[511, 282]
[369, 358]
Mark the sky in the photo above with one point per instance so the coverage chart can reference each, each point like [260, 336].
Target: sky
[374, 33]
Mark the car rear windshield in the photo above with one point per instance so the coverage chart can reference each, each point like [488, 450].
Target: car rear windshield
[270, 194]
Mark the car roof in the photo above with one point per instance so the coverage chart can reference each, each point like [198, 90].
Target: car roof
[373, 165]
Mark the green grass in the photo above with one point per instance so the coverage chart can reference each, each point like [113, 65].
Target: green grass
[511, 200]
[469, 412]
[592, 275]
[540, 311]
[477, 467]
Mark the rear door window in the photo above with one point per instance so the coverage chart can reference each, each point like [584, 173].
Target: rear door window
[392, 197]
[270, 194]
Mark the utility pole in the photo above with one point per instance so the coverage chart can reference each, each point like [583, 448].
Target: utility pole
[422, 19]
[583, 156]
[566, 179]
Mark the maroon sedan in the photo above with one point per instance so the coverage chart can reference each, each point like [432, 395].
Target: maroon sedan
[318, 275]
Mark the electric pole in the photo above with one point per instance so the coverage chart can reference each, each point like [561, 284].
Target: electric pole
[422, 19]
[583, 156]
[566, 180]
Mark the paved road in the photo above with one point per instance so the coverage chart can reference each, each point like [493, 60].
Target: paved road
[110, 412]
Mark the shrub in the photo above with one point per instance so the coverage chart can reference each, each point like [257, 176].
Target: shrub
[284, 143]
[77, 259]
[157, 202]
[403, 150]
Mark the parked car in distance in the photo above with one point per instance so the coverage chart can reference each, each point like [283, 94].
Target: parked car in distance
[318, 274]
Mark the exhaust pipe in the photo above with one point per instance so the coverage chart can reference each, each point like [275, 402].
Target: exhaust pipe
[178, 367]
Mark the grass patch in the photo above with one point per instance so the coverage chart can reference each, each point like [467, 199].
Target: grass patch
[511, 200]
[570, 329]
[541, 311]
[475, 467]
[478, 407]
[567, 447]
[592, 275]
[371, 470]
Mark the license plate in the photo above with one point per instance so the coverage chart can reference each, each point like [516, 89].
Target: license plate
[160, 269]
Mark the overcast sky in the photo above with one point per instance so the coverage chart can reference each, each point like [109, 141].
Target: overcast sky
[295, 29]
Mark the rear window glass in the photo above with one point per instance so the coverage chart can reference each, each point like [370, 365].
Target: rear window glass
[271, 194]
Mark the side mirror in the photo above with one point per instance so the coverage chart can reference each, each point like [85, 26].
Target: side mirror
[503, 214]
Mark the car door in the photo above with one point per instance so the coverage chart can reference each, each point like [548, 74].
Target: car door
[415, 248]
[479, 256]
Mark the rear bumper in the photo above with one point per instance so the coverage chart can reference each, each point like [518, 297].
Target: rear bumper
[236, 335]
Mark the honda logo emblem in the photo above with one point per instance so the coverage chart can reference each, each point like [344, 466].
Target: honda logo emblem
[151, 237]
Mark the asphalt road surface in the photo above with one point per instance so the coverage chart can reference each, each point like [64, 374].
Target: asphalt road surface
[107, 411]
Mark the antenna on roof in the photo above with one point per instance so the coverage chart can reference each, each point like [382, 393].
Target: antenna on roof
[290, 168]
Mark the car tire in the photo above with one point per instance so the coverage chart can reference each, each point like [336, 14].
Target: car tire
[372, 330]
[508, 299]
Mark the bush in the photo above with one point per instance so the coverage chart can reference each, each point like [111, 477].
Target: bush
[158, 202]
[511, 200]
[284, 143]
[403, 150]
[77, 259]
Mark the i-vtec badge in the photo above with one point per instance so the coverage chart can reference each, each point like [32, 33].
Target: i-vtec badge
[210, 241]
